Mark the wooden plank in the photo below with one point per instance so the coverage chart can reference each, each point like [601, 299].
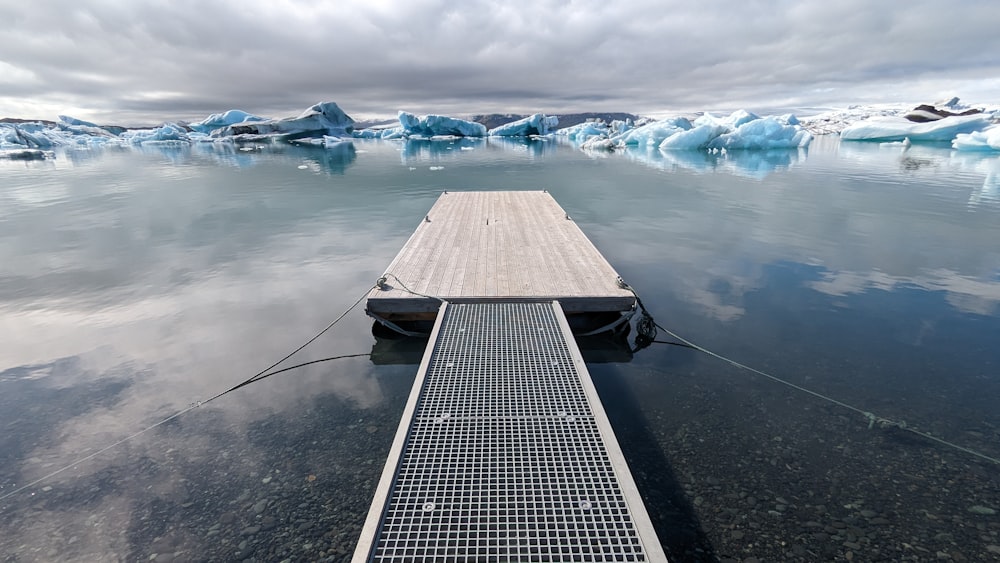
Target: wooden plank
[510, 245]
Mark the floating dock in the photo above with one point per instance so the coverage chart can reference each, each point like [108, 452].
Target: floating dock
[512, 246]
[504, 452]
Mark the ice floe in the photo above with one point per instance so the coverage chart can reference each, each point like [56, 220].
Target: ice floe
[834, 121]
[986, 140]
[899, 128]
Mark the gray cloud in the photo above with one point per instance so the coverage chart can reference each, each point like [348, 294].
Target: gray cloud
[152, 61]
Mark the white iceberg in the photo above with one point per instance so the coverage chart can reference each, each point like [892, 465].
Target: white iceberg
[833, 121]
[437, 125]
[898, 128]
[986, 140]
[231, 117]
[538, 124]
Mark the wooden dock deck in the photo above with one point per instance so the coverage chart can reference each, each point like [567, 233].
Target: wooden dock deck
[512, 246]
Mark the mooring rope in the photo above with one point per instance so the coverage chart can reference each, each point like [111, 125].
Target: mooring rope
[263, 374]
[870, 417]
[380, 284]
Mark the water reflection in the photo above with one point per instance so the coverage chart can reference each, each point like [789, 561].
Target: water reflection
[989, 166]
[756, 165]
[414, 152]
[138, 282]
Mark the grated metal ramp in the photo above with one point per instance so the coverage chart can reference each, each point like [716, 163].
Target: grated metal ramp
[504, 452]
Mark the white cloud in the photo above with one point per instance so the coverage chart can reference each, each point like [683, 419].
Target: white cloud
[275, 58]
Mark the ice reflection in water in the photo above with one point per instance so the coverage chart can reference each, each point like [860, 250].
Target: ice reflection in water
[136, 283]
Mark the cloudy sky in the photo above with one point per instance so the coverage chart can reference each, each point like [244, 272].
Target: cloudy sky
[147, 61]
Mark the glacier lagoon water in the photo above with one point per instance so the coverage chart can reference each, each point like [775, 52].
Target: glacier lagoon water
[135, 283]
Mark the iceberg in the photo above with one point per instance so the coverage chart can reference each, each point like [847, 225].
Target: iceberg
[596, 134]
[733, 120]
[324, 118]
[166, 134]
[28, 135]
[899, 128]
[231, 117]
[36, 135]
[437, 125]
[740, 130]
[652, 134]
[85, 132]
[986, 140]
[762, 134]
[75, 122]
[697, 138]
[581, 132]
[538, 124]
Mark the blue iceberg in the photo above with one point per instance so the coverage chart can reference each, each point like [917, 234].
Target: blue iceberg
[741, 130]
[436, 125]
[166, 134]
[538, 124]
[324, 118]
[231, 117]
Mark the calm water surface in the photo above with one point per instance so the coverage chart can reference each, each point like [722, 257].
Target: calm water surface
[133, 284]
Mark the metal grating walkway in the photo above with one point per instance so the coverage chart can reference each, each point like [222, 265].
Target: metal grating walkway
[505, 453]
